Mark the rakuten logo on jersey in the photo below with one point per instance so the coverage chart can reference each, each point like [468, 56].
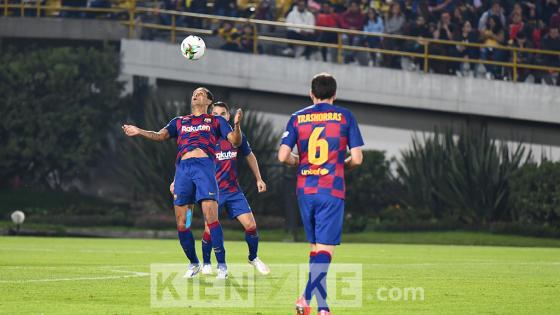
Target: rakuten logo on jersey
[195, 129]
[228, 155]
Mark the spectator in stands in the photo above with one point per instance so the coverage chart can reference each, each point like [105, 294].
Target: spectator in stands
[394, 25]
[444, 31]
[73, 3]
[495, 10]
[230, 35]
[493, 36]
[555, 20]
[266, 10]
[351, 19]
[374, 24]
[225, 7]
[247, 40]
[549, 9]
[466, 35]
[439, 6]
[198, 6]
[418, 29]
[327, 18]
[516, 25]
[551, 42]
[521, 41]
[300, 15]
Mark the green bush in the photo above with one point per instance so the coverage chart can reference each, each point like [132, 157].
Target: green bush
[465, 178]
[535, 194]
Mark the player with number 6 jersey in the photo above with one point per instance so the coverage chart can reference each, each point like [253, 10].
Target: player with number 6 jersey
[323, 133]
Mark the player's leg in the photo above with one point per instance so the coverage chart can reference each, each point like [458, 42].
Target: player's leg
[329, 217]
[183, 195]
[308, 218]
[206, 251]
[204, 178]
[248, 222]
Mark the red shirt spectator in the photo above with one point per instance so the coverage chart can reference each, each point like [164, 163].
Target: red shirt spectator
[555, 20]
[353, 18]
[326, 17]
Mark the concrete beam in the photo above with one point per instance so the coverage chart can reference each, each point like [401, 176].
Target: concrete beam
[451, 94]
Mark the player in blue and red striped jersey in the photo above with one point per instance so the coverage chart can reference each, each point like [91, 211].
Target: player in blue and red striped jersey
[197, 135]
[322, 132]
[231, 197]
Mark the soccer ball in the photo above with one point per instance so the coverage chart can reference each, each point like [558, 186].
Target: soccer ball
[18, 217]
[193, 47]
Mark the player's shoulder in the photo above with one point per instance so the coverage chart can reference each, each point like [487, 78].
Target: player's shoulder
[304, 110]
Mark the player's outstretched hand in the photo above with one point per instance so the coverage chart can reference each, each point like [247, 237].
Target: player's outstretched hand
[238, 116]
[172, 187]
[261, 186]
[131, 130]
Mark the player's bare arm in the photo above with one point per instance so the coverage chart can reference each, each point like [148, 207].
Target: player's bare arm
[354, 160]
[132, 131]
[286, 156]
[235, 136]
[254, 166]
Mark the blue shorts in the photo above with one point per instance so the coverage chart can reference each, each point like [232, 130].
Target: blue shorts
[235, 203]
[195, 180]
[322, 217]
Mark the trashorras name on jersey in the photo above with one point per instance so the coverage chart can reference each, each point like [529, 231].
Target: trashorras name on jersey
[228, 155]
[195, 128]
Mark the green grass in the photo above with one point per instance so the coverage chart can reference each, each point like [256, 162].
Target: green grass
[85, 276]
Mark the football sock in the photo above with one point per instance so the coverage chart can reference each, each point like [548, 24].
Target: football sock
[217, 236]
[252, 239]
[320, 269]
[307, 293]
[206, 248]
[186, 239]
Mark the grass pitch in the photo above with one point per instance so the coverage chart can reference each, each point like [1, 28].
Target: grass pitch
[109, 276]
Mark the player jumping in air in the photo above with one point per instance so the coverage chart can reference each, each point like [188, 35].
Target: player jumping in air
[322, 133]
[195, 181]
[231, 196]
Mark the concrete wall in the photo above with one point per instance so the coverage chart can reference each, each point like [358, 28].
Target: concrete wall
[59, 28]
[358, 84]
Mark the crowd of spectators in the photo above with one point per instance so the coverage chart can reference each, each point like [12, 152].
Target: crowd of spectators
[495, 23]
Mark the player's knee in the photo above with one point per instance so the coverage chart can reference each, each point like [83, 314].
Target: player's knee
[180, 220]
[252, 226]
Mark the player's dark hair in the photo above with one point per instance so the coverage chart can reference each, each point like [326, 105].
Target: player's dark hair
[323, 86]
[221, 104]
[209, 94]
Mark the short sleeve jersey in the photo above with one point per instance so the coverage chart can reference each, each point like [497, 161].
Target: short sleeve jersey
[198, 132]
[323, 133]
[226, 163]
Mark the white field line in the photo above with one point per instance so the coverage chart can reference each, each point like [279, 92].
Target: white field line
[132, 274]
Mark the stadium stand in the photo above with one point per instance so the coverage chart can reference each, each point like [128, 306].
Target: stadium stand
[478, 38]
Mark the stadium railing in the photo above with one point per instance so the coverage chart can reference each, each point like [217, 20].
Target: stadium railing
[133, 11]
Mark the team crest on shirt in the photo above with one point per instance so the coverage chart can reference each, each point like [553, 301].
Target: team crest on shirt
[207, 120]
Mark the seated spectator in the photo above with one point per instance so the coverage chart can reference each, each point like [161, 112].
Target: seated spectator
[351, 19]
[551, 42]
[555, 20]
[549, 9]
[439, 6]
[521, 41]
[418, 29]
[467, 34]
[266, 10]
[516, 25]
[247, 40]
[495, 10]
[327, 18]
[493, 36]
[374, 24]
[300, 15]
[225, 7]
[444, 31]
[230, 35]
[197, 6]
[394, 24]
